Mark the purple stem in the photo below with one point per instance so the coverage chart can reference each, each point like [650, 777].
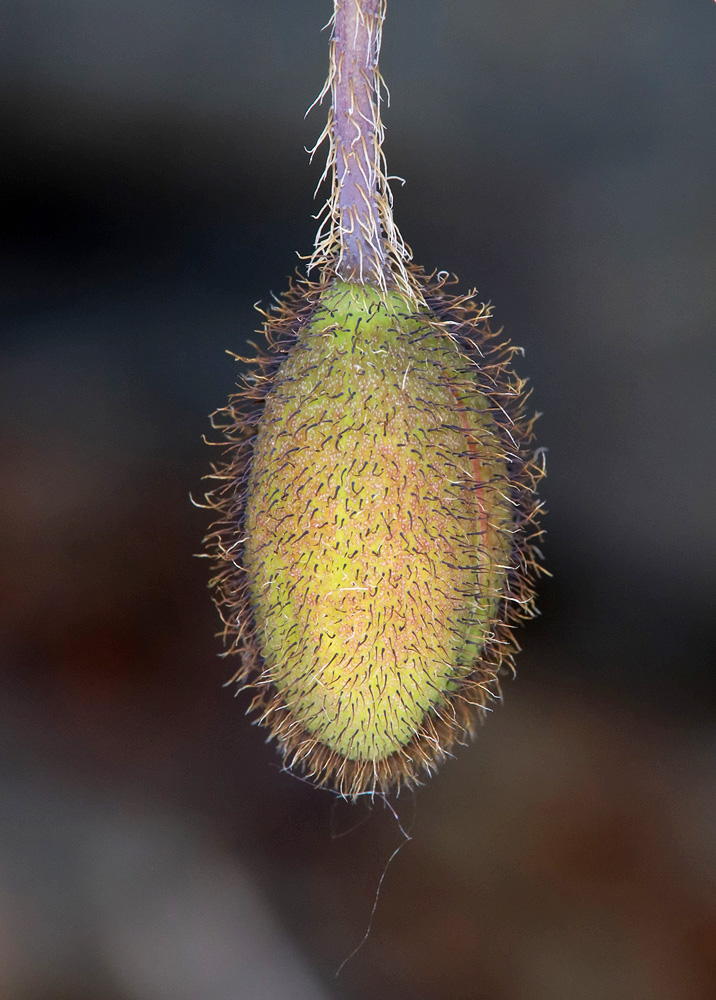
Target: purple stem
[356, 41]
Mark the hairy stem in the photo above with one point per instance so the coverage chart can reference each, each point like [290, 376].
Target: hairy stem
[357, 239]
[357, 136]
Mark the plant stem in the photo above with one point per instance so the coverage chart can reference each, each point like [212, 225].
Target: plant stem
[357, 135]
[357, 239]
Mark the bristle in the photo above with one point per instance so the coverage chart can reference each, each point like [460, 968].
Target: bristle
[376, 524]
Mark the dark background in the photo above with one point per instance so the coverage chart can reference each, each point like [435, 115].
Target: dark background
[560, 155]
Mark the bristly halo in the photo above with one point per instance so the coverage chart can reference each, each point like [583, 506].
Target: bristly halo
[466, 322]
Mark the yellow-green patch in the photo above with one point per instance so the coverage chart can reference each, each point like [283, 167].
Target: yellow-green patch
[377, 523]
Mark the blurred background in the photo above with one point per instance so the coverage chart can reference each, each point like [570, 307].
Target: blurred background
[560, 156]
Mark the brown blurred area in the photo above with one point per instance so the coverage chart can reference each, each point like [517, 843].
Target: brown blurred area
[560, 155]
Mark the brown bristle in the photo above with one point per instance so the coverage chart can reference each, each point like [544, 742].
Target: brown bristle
[368, 723]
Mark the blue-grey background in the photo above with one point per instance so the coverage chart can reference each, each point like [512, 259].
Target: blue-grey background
[560, 156]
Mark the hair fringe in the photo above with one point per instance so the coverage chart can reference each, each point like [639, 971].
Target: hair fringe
[466, 321]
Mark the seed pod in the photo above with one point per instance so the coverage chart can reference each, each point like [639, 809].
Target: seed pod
[376, 507]
[374, 546]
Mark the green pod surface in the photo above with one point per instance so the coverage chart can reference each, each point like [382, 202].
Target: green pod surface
[372, 550]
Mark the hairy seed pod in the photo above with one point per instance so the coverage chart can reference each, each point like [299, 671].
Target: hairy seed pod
[376, 510]
[374, 546]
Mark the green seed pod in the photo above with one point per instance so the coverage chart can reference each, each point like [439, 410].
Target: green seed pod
[376, 509]
[373, 533]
